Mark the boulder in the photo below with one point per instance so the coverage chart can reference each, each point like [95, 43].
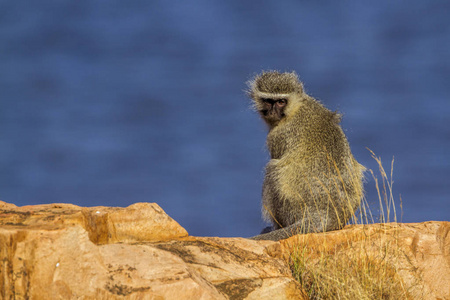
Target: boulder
[62, 251]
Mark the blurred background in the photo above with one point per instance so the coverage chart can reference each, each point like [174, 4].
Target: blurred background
[112, 103]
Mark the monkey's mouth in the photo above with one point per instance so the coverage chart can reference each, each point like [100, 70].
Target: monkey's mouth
[273, 114]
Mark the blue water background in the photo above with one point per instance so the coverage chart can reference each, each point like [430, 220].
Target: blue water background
[117, 102]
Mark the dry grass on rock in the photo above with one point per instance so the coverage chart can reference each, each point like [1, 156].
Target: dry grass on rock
[362, 264]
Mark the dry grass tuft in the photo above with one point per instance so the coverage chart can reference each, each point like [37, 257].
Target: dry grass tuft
[351, 268]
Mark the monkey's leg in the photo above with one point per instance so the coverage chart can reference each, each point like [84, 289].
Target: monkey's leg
[284, 233]
[280, 234]
[315, 223]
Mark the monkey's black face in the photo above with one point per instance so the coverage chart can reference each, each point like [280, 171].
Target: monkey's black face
[273, 109]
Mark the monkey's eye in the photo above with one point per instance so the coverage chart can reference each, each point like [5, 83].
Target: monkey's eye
[281, 102]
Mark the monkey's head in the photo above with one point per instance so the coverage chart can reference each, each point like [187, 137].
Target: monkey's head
[275, 95]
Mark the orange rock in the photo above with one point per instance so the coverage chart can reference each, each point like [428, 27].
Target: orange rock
[140, 222]
[62, 251]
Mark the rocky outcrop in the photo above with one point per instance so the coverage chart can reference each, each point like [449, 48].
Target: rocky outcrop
[62, 251]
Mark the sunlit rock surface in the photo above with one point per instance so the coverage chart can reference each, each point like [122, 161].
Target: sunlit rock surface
[62, 251]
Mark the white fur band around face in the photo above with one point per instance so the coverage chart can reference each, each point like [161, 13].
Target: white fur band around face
[271, 96]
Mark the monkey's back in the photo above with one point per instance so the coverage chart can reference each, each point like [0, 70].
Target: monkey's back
[312, 175]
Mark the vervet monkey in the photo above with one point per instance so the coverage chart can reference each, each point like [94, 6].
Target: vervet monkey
[312, 182]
